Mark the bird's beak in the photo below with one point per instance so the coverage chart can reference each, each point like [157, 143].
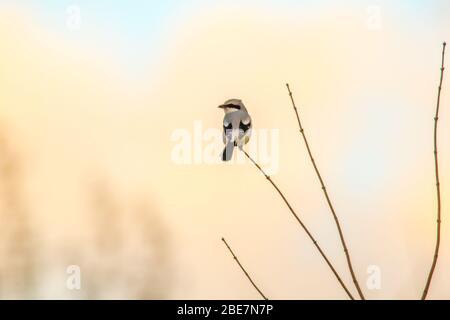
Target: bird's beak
[222, 106]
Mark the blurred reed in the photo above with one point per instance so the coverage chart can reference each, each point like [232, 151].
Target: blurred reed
[130, 257]
[17, 244]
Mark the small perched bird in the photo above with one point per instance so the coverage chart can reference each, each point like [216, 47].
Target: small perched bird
[237, 126]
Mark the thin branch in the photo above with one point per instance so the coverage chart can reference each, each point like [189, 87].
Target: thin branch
[243, 269]
[438, 188]
[303, 226]
[330, 205]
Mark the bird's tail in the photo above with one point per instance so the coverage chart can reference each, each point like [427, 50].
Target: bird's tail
[228, 151]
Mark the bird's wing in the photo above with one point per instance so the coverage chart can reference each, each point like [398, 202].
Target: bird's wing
[227, 130]
[245, 125]
[245, 129]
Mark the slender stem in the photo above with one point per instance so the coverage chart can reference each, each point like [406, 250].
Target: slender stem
[302, 225]
[243, 269]
[438, 188]
[330, 205]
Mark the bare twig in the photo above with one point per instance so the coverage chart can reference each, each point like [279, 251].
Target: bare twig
[302, 225]
[330, 205]
[438, 189]
[243, 269]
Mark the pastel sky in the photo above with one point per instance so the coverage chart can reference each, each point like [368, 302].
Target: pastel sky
[102, 101]
[138, 31]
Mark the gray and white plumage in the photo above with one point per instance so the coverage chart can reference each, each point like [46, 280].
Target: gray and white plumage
[237, 126]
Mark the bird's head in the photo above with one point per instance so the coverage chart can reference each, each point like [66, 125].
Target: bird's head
[233, 105]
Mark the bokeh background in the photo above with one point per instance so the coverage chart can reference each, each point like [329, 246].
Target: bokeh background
[88, 104]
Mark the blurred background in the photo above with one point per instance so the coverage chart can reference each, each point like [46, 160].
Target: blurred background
[91, 93]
